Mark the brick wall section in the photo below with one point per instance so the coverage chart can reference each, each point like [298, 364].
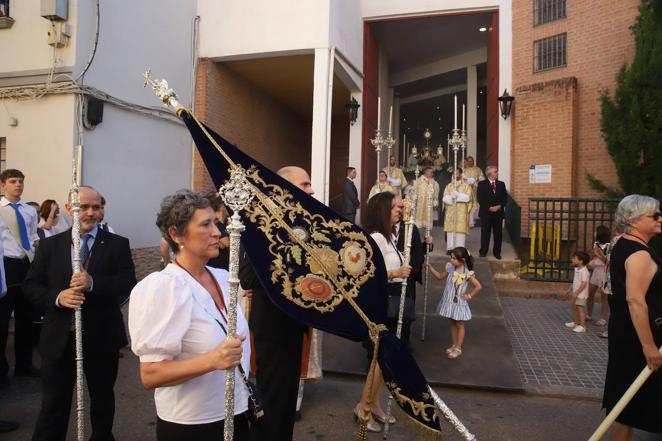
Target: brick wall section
[599, 42]
[146, 260]
[544, 134]
[249, 118]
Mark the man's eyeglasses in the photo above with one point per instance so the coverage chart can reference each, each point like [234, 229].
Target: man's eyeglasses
[656, 215]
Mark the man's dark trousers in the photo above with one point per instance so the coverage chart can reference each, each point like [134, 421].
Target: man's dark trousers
[112, 272]
[492, 222]
[15, 270]
[277, 341]
[57, 382]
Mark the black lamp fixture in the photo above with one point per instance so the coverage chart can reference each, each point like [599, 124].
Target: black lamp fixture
[506, 103]
[353, 108]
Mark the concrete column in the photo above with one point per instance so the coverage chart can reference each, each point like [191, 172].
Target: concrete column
[472, 110]
[505, 82]
[320, 157]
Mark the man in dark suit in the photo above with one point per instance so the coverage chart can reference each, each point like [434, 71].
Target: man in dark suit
[350, 196]
[107, 275]
[277, 344]
[492, 197]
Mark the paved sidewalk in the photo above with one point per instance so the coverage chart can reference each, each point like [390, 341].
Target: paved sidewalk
[552, 359]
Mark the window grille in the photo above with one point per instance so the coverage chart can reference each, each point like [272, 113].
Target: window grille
[550, 53]
[545, 11]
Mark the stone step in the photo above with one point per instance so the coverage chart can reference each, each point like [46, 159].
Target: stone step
[532, 289]
[505, 269]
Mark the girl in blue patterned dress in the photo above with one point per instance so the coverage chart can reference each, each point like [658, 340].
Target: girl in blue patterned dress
[453, 304]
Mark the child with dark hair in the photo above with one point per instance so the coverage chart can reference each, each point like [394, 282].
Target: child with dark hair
[579, 291]
[453, 305]
[597, 268]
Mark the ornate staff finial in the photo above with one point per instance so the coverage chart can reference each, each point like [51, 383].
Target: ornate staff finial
[163, 91]
[237, 193]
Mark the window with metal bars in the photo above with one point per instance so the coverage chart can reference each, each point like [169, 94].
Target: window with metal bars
[545, 11]
[550, 53]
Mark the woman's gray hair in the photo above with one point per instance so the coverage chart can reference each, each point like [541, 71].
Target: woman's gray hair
[176, 212]
[633, 207]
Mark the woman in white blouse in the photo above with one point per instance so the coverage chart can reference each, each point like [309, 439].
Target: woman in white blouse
[177, 322]
[383, 213]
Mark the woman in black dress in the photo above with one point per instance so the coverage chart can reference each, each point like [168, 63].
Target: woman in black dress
[635, 304]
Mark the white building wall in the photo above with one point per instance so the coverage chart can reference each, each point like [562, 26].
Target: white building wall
[41, 145]
[134, 161]
[24, 47]
[132, 158]
[235, 29]
[372, 9]
[346, 30]
[505, 82]
[156, 34]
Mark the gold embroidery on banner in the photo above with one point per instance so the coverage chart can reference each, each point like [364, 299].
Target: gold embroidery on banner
[418, 408]
[336, 268]
[353, 258]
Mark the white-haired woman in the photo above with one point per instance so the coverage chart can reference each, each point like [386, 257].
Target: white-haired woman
[635, 304]
[177, 321]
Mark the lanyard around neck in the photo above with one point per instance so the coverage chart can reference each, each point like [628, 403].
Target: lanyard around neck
[222, 309]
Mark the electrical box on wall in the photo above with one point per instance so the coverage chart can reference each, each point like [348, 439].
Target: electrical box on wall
[55, 9]
[58, 34]
[92, 112]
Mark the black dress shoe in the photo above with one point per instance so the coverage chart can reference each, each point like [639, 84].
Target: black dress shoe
[297, 415]
[8, 426]
[497, 256]
[482, 255]
[30, 372]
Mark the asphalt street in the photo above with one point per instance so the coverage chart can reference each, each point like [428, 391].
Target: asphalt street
[327, 412]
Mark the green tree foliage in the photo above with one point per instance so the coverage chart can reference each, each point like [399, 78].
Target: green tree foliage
[632, 117]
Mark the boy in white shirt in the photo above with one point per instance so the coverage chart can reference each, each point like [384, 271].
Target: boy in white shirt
[579, 291]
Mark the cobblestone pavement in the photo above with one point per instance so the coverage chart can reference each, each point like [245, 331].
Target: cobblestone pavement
[553, 359]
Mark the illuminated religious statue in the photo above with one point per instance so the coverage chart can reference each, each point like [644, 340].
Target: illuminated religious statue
[412, 161]
[439, 160]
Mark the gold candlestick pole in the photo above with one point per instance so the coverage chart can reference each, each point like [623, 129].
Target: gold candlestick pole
[428, 230]
[378, 142]
[388, 142]
[463, 138]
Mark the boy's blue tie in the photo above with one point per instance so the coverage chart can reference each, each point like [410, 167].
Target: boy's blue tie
[21, 227]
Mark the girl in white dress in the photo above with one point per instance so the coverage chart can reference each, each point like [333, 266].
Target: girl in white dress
[454, 302]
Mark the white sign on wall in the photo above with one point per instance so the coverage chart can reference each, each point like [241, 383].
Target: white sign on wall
[540, 174]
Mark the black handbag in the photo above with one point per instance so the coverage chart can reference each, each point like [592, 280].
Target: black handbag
[409, 314]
